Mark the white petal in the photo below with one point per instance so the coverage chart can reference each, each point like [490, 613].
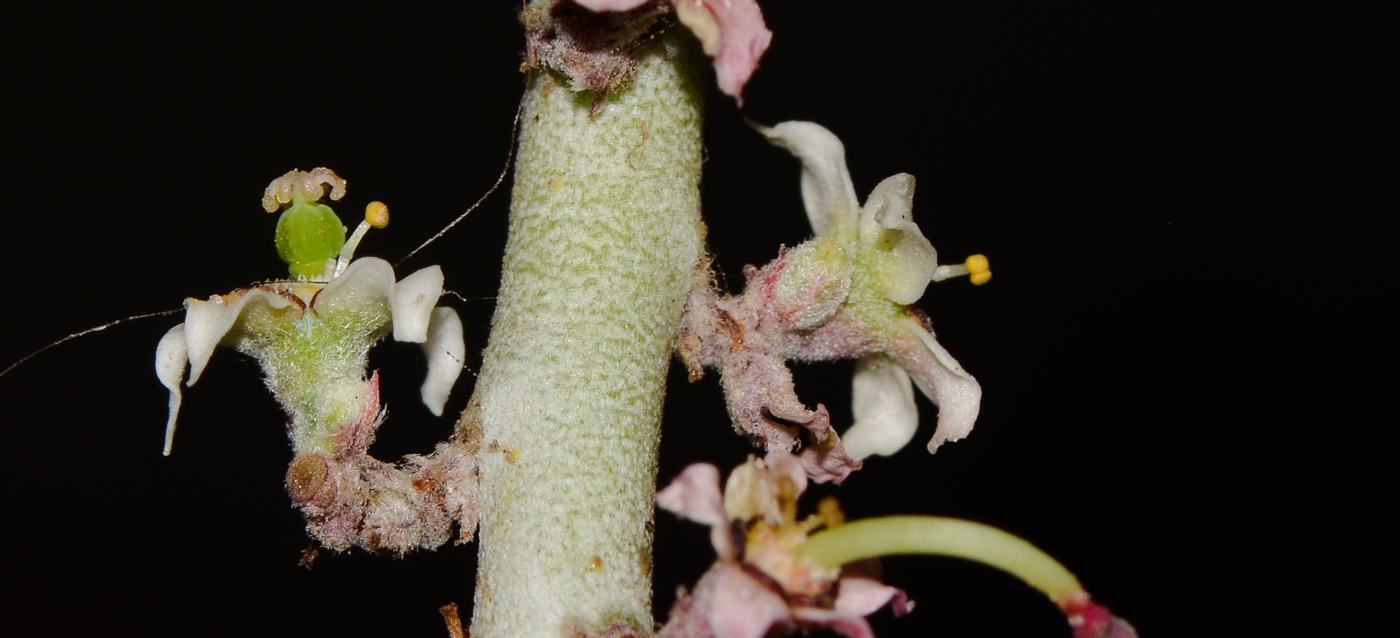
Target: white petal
[370, 280]
[412, 304]
[908, 260]
[206, 323]
[366, 281]
[826, 184]
[942, 380]
[445, 350]
[170, 369]
[883, 403]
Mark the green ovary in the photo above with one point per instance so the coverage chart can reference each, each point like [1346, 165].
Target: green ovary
[308, 235]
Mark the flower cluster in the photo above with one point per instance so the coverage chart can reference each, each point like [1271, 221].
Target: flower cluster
[845, 293]
[758, 581]
[312, 337]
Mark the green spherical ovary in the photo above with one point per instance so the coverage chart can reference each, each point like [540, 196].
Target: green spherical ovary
[308, 235]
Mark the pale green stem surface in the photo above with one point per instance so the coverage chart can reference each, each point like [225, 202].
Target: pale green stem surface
[938, 536]
[604, 232]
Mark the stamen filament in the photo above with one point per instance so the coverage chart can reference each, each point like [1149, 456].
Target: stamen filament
[376, 215]
[976, 268]
[348, 251]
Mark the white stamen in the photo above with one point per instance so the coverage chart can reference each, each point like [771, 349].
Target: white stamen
[347, 252]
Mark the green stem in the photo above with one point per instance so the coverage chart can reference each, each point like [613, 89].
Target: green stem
[938, 536]
[604, 233]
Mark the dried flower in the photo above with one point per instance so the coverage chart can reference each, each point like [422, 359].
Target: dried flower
[758, 580]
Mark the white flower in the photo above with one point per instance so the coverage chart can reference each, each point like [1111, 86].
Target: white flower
[312, 338]
[893, 264]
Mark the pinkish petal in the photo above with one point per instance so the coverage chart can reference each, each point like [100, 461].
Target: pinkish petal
[825, 458]
[864, 596]
[741, 607]
[733, 33]
[695, 495]
[599, 6]
[850, 625]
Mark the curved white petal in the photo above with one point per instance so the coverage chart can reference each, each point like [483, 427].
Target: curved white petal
[206, 323]
[445, 350]
[170, 369]
[940, 377]
[883, 403]
[733, 33]
[366, 281]
[907, 260]
[412, 304]
[827, 192]
[370, 280]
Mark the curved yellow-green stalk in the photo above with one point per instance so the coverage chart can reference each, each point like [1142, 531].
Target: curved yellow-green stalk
[939, 536]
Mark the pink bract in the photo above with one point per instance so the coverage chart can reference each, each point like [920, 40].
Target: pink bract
[731, 31]
[610, 5]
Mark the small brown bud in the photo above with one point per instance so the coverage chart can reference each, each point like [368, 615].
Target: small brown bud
[306, 476]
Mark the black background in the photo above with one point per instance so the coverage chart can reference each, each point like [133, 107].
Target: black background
[1169, 193]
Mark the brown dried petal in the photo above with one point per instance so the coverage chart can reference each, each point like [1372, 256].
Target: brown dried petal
[594, 50]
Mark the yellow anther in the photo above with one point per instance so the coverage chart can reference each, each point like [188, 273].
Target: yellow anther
[377, 214]
[978, 270]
